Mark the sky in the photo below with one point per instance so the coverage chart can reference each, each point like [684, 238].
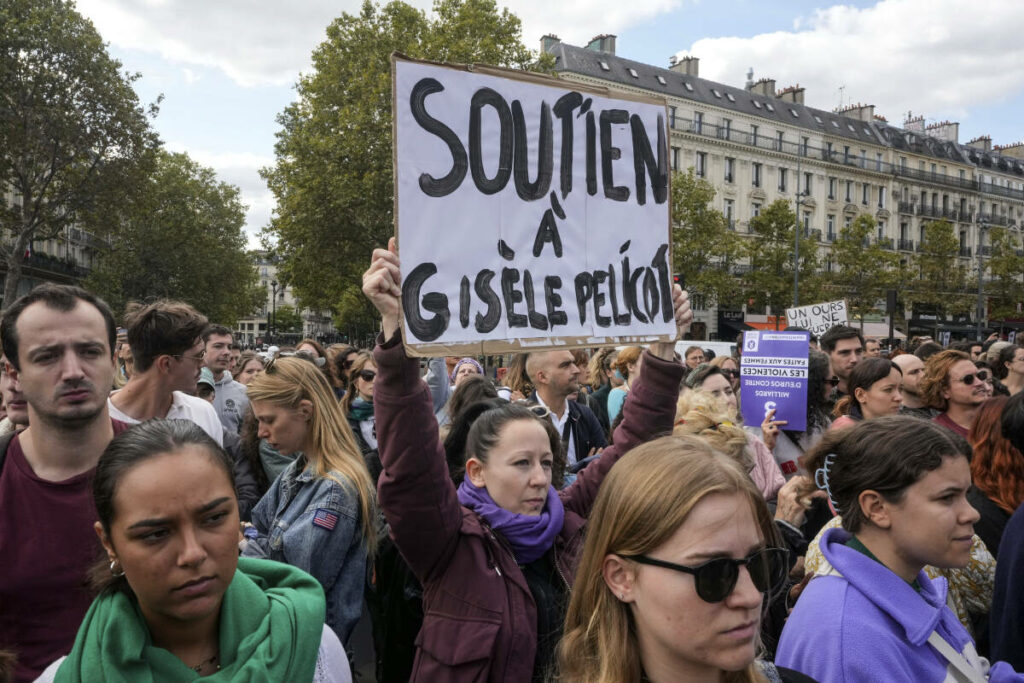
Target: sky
[227, 68]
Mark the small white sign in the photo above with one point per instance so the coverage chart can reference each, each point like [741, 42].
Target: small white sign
[818, 318]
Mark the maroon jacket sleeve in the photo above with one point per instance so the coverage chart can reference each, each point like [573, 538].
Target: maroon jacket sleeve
[415, 491]
[649, 412]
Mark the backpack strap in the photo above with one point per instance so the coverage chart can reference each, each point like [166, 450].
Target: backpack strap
[5, 442]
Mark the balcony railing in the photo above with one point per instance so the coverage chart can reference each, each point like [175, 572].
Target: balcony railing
[837, 157]
[906, 207]
[965, 252]
[886, 243]
[905, 245]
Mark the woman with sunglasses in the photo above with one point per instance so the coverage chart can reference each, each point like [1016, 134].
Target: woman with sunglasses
[175, 601]
[874, 391]
[357, 405]
[900, 484]
[495, 557]
[730, 368]
[319, 514]
[672, 581]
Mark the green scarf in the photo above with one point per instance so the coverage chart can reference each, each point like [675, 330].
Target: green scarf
[271, 621]
[361, 410]
[273, 462]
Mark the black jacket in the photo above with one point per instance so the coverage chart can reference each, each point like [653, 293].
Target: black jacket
[586, 430]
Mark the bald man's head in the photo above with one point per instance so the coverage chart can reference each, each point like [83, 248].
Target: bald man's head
[912, 368]
[553, 373]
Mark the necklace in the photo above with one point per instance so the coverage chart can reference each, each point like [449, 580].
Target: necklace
[198, 667]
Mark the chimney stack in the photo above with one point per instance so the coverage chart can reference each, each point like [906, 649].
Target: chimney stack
[793, 93]
[861, 112]
[1016, 150]
[687, 65]
[914, 124]
[944, 130]
[982, 142]
[548, 41]
[602, 43]
[765, 86]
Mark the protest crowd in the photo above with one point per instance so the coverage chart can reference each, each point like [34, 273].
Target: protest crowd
[173, 508]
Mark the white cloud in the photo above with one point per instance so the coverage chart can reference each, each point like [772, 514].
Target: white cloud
[939, 58]
[260, 42]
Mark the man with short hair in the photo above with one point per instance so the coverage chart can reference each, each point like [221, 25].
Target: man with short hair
[872, 348]
[59, 344]
[236, 353]
[913, 368]
[845, 347]
[166, 342]
[952, 384]
[694, 356]
[231, 401]
[555, 376]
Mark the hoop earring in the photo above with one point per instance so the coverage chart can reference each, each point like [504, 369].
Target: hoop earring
[113, 563]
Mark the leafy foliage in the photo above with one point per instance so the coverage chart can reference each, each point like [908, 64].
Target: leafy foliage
[287, 320]
[333, 172]
[940, 278]
[770, 251]
[74, 139]
[865, 268]
[703, 248]
[181, 238]
[1005, 265]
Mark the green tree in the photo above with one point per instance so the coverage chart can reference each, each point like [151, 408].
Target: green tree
[703, 248]
[865, 268]
[332, 177]
[181, 238]
[770, 253]
[287, 320]
[1005, 265]
[73, 135]
[941, 280]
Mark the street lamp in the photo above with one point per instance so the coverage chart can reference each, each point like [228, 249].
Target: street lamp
[273, 307]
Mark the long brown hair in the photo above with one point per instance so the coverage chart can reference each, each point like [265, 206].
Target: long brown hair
[674, 473]
[332, 447]
[997, 467]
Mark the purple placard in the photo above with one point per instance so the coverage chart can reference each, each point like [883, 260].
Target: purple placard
[773, 374]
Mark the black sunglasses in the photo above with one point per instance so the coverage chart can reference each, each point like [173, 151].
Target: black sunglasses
[832, 381]
[367, 375]
[968, 379]
[731, 373]
[716, 579]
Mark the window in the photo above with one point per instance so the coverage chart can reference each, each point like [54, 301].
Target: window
[863, 158]
[672, 117]
[828, 151]
[782, 180]
[804, 144]
[688, 86]
[727, 125]
[881, 230]
[753, 135]
[604, 66]
[778, 140]
[633, 73]
[846, 154]
[756, 174]
[846, 223]
[881, 197]
[817, 118]
[878, 161]
[769, 107]
[715, 92]
[698, 121]
[832, 188]
[702, 164]
[807, 183]
[807, 223]
[903, 233]
[661, 79]
[755, 210]
[830, 225]
[731, 98]
[757, 105]
[793, 112]
[962, 176]
[675, 158]
[903, 163]
[865, 191]
[729, 207]
[849, 190]
[730, 167]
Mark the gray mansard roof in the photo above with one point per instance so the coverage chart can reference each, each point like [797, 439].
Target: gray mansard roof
[609, 67]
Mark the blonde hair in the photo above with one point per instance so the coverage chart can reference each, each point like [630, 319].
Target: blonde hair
[720, 361]
[332, 448]
[700, 414]
[674, 473]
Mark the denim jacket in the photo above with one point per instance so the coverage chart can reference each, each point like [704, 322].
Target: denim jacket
[313, 523]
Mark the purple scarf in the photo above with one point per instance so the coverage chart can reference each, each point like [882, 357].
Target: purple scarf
[530, 536]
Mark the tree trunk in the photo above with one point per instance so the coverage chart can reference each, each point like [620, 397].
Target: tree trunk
[15, 259]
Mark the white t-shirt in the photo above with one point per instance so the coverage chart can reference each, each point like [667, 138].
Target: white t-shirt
[183, 407]
[570, 447]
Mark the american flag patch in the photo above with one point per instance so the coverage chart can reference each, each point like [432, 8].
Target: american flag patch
[325, 518]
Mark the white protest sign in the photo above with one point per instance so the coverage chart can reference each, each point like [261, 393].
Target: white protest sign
[817, 318]
[530, 212]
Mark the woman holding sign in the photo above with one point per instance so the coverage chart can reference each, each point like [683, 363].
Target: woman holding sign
[496, 556]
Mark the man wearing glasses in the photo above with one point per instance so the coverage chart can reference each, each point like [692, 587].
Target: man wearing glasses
[166, 342]
[952, 384]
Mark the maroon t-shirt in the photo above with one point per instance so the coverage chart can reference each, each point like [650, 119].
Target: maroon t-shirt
[47, 545]
[943, 419]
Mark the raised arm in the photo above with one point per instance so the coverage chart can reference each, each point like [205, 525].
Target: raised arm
[649, 412]
[414, 490]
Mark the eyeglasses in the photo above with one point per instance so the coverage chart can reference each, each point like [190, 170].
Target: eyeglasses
[199, 357]
[367, 375]
[731, 373]
[832, 381]
[968, 379]
[535, 408]
[716, 579]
